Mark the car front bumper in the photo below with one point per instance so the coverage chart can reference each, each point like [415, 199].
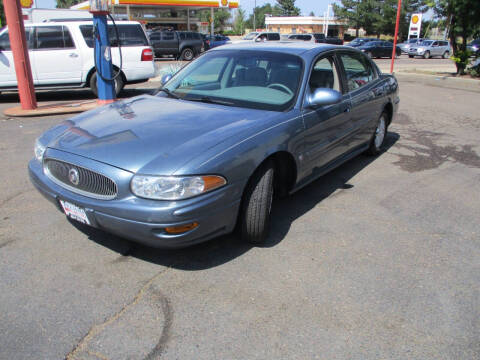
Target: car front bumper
[144, 220]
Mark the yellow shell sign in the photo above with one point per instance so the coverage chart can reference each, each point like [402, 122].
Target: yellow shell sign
[415, 19]
[26, 3]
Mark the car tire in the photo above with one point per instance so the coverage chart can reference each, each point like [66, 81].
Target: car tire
[378, 139]
[369, 54]
[446, 54]
[410, 56]
[187, 54]
[256, 205]
[427, 55]
[118, 84]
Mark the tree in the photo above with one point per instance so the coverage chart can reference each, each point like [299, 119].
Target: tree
[462, 19]
[385, 23]
[220, 18]
[287, 8]
[311, 13]
[239, 22]
[2, 14]
[358, 13]
[260, 12]
[65, 4]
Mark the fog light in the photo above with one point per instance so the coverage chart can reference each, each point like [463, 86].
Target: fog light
[181, 228]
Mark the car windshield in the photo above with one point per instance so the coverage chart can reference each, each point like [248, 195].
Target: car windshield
[248, 78]
[426, 42]
[250, 36]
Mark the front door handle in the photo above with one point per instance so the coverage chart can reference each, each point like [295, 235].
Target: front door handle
[347, 109]
[73, 55]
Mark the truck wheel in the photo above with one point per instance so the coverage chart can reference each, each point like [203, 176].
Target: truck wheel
[118, 84]
[256, 205]
[187, 54]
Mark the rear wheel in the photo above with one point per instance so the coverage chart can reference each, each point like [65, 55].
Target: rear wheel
[427, 55]
[257, 204]
[379, 136]
[187, 54]
[410, 56]
[118, 84]
[369, 54]
[446, 54]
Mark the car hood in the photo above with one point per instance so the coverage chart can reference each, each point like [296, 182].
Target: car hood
[151, 134]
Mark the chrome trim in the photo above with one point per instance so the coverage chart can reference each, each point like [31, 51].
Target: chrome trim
[47, 172]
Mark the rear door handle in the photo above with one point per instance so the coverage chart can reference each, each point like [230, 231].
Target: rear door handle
[73, 55]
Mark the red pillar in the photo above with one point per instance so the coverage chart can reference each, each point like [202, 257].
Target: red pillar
[18, 43]
[399, 9]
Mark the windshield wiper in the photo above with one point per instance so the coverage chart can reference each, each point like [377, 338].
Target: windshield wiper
[169, 93]
[209, 100]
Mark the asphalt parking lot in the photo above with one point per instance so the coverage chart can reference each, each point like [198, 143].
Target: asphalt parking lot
[379, 259]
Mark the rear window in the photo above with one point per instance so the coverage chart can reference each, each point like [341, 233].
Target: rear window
[129, 35]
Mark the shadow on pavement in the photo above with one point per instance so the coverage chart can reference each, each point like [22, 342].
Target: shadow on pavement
[226, 248]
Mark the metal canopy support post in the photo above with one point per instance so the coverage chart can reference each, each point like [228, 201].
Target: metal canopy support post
[18, 44]
[103, 60]
[399, 9]
[212, 19]
[188, 19]
[129, 16]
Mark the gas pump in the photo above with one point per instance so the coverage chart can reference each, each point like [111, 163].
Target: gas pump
[102, 52]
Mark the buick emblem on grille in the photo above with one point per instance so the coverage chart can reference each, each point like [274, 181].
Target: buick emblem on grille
[73, 176]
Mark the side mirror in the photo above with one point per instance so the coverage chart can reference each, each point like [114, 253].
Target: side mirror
[324, 96]
[258, 39]
[165, 78]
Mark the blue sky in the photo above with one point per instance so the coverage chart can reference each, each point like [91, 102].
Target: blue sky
[317, 6]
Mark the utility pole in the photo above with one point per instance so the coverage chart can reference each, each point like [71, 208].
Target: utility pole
[18, 44]
[254, 19]
[399, 9]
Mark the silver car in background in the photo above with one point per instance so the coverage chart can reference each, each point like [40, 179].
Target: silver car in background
[430, 48]
[405, 46]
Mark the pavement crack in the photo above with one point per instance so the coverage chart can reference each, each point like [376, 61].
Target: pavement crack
[11, 197]
[97, 329]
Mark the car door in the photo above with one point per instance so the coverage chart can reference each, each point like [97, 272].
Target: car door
[387, 48]
[8, 76]
[57, 59]
[326, 127]
[366, 96]
[169, 43]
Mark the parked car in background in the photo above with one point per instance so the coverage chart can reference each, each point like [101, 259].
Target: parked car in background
[430, 48]
[212, 41]
[238, 126]
[183, 45]
[316, 38]
[360, 41]
[260, 37]
[474, 47]
[379, 49]
[61, 55]
[405, 46]
[321, 39]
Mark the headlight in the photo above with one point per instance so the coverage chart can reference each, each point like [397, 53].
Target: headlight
[174, 187]
[38, 150]
[421, 49]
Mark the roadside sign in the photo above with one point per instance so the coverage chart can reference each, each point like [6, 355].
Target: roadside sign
[415, 25]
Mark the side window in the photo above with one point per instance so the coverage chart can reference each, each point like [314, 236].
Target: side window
[5, 40]
[435, 43]
[49, 37]
[324, 75]
[357, 71]
[67, 39]
[273, 36]
[167, 35]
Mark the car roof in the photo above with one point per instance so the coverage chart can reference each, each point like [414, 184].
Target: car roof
[290, 47]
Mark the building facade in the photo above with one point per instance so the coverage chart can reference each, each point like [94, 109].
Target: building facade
[306, 24]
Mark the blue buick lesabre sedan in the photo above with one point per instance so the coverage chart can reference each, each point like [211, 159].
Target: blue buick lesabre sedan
[207, 153]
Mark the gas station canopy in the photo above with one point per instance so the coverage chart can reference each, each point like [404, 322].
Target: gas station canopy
[175, 14]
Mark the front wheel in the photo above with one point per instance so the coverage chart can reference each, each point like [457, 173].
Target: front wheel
[256, 205]
[187, 54]
[378, 139]
[118, 84]
[426, 55]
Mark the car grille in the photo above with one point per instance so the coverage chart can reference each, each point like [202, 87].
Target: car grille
[80, 180]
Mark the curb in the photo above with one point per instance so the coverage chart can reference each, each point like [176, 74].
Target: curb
[52, 109]
[440, 81]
